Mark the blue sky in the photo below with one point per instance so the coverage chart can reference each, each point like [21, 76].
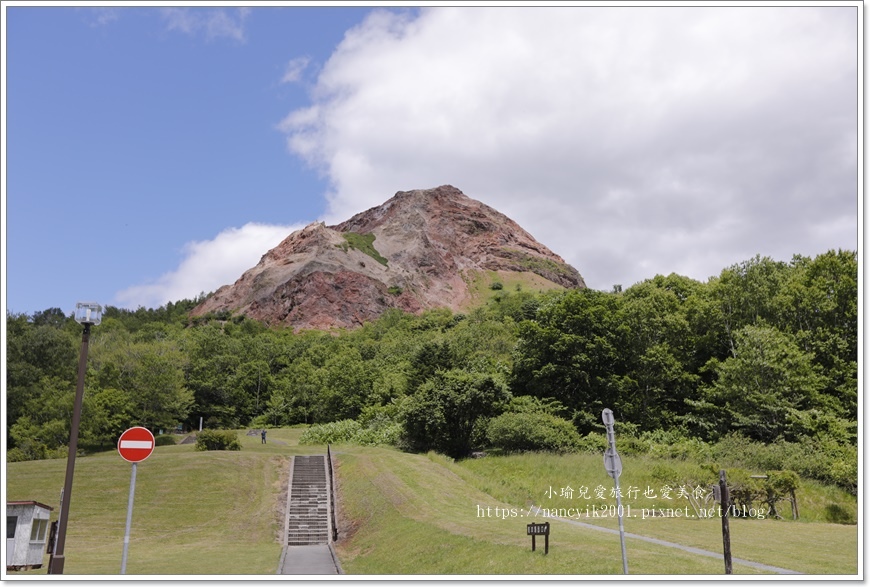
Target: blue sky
[128, 138]
[154, 153]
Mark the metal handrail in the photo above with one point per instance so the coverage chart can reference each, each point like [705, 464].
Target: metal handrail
[332, 523]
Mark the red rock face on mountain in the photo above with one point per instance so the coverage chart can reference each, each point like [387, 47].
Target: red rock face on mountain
[419, 250]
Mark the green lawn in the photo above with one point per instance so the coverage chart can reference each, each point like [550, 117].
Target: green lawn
[194, 512]
[220, 513]
[537, 479]
[398, 506]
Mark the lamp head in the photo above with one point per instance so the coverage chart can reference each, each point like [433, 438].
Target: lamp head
[89, 313]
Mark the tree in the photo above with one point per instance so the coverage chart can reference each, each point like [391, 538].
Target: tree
[149, 374]
[44, 424]
[760, 388]
[429, 359]
[53, 317]
[746, 294]
[572, 352]
[156, 387]
[820, 306]
[296, 397]
[35, 354]
[658, 352]
[347, 384]
[213, 359]
[106, 413]
[449, 409]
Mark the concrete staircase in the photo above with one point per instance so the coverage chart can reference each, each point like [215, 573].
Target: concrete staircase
[308, 504]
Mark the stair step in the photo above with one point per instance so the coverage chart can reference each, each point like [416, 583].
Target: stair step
[307, 520]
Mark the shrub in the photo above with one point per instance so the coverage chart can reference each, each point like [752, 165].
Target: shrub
[631, 445]
[529, 431]
[744, 490]
[386, 434]
[821, 459]
[331, 433]
[34, 451]
[675, 444]
[217, 440]
[593, 442]
[378, 430]
[531, 404]
[837, 514]
[496, 285]
[164, 440]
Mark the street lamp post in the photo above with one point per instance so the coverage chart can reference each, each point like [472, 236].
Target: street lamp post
[87, 314]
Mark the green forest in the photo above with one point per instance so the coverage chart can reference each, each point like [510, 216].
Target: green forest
[760, 360]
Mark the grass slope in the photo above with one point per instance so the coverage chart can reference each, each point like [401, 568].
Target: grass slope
[480, 284]
[220, 513]
[805, 546]
[409, 515]
[210, 513]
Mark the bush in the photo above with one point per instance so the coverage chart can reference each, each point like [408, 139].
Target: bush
[593, 442]
[387, 434]
[837, 514]
[529, 431]
[675, 444]
[378, 430]
[217, 440]
[331, 433]
[164, 440]
[820, 459]
[34, 451]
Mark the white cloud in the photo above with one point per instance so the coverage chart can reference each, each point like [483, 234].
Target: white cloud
[214, 23]
[294, 70]
[207, 265]
[632, 141]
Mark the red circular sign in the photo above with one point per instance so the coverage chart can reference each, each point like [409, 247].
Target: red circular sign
[136, 444]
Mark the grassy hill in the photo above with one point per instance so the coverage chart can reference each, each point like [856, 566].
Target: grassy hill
[221, 513]
[484, 286]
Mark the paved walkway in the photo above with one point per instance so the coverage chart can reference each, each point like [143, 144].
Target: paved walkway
[692, 549]
[313, 559]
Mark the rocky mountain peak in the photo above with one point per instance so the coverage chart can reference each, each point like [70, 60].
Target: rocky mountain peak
[420, 249]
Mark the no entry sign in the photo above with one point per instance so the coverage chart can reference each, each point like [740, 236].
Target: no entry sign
[136, 444]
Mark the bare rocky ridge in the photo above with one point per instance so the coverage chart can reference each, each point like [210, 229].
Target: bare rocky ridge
[429, 248]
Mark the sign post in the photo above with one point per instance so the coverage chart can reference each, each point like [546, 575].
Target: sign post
[613, 466]
[539, 530]
[136, 444]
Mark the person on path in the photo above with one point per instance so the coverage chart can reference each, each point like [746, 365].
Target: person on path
[263, 435]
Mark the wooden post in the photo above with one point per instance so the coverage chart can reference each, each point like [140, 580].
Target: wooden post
[795, 514]
[726, 531]
[534, 529]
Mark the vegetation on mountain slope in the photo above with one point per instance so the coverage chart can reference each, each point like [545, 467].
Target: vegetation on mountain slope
[763, 356]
